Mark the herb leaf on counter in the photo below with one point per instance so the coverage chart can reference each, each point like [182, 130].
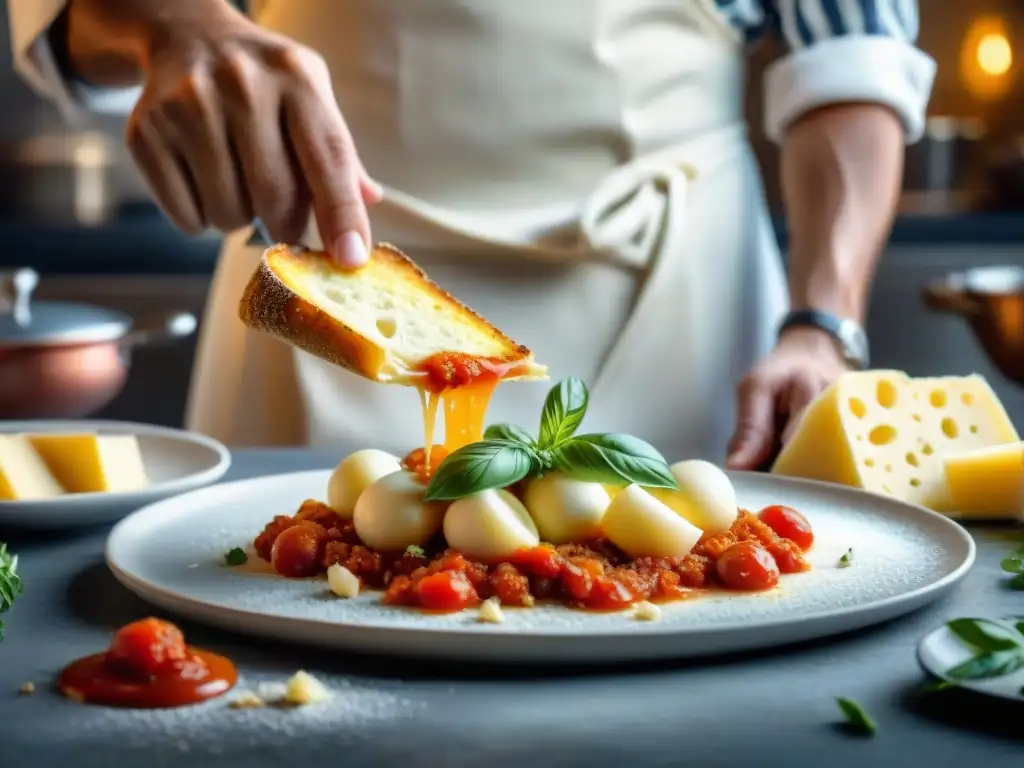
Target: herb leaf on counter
[613, 459]
[10, 582]
[857, 719]
[480, 467]
[564, 409]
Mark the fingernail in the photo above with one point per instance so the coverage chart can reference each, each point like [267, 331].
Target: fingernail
[350, 250]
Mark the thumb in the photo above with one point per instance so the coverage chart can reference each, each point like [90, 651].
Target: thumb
[752, 442]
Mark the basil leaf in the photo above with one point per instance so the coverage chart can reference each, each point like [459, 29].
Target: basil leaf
[510, 432]
[613, 459]
[856, 718]
[987, 665]
[479, 467]
[564, 408]
[984, 635]
[1012, 564]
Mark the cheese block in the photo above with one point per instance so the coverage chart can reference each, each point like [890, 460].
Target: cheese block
[382, 321]
[88, 463]
[23, 474]
[887, 433]
[987, 482]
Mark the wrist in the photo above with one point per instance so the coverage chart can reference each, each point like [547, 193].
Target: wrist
[824, 333]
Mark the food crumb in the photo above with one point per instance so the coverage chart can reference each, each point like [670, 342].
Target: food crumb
[646, 611]
[27, 689]
[246, 700]
[303, 688]
[342, 581]
[490, 610]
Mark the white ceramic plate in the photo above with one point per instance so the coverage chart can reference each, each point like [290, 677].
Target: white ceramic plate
[175, 462]
[941, 650]
[172, 554]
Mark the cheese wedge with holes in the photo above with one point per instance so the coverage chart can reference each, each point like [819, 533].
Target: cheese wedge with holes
[987, 483]
[381, 321]
[88, 463]
[24, 475]
[889, 434]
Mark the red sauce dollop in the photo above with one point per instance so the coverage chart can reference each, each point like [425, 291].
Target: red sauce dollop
[148, 666]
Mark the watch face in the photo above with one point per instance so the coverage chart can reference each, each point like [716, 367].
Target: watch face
[855, 343]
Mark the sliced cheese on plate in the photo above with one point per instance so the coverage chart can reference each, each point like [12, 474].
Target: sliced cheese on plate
[23, 474]
[89, 463]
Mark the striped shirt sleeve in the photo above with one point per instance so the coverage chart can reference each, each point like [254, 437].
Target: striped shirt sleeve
[843, 51]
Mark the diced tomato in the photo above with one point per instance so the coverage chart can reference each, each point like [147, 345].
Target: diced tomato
[543, 561]
[787, 523]
[609, 595]
[748, 567]
[145, 648]
[579, 575]
[446, 591]
[298, 551]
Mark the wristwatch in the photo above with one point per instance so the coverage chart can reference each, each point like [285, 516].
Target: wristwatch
[848, 334]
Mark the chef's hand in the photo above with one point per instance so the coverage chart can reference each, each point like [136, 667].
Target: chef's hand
[772, 396]
[235, 122]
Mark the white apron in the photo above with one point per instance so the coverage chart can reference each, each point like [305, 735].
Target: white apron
[576, 171]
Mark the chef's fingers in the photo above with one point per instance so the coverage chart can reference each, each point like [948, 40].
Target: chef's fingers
[330, 166]
[192, 120]
[802, 392]
[752, 442]
[165, 172]
[371, 190]
[270, 170]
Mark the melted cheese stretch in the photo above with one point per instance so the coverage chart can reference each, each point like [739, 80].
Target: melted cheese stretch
[465, 411]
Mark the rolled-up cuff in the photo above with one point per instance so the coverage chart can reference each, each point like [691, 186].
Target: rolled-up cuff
[35, 61]
[863, 68]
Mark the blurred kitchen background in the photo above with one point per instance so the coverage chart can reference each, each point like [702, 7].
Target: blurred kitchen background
[72, 208]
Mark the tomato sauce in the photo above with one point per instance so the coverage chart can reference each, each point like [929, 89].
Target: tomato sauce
[148, 666]
[451, 370]
[595, 575]
[422, 465]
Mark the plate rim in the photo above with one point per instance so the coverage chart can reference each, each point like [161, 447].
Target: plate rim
[144, 588]
[175, 487]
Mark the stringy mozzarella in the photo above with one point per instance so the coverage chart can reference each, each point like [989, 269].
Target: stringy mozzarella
[566, 510]
[489, 525]
[391, 515]
[355, 474]
[641, 526]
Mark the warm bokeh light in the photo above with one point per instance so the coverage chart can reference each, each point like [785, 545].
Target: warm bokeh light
[995, 55]
[986, 58]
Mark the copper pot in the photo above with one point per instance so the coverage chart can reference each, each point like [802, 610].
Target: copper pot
[991, 300]
[61, 360]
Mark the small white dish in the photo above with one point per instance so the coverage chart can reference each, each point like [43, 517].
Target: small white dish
[941, 650]
[176, 461]
[172, 554]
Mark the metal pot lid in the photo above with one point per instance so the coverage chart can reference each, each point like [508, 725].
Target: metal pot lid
[27, 323]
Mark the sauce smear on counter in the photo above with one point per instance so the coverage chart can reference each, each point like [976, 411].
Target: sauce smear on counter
[148, 666]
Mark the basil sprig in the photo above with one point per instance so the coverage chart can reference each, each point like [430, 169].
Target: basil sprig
[1014, 563]
[508, 453]
[998, 650]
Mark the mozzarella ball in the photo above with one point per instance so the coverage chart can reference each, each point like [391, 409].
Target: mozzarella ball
[566, 510]
[354, 475]
[705, 497]
[391, 515]
[489, 525]
[641, 526]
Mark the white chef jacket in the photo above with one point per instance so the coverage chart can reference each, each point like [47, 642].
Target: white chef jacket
[578, 172]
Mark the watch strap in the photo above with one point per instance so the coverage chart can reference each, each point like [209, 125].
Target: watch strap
[837, 327]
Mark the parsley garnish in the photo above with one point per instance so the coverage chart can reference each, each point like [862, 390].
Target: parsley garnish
[415, 551]
[10, 582]
[236, 556]
[846, 560]
[857, 719]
